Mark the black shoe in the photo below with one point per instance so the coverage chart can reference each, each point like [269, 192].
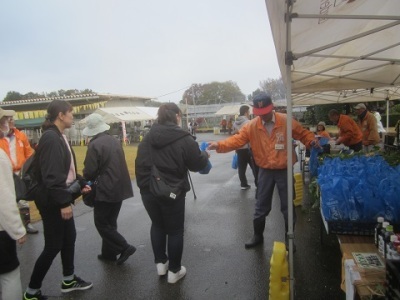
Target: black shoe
[125, 254]
[105, 258]
[245, 187]
[75, 285]
[37, 296]
[255, 241]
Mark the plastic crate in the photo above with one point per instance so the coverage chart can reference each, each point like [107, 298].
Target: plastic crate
[392, 279]
[351, 228]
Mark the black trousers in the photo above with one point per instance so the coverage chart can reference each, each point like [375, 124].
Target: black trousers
[356, 147]
[105, 220]
[167, 224]
[245, 158]
[268, 179]
[59, 236]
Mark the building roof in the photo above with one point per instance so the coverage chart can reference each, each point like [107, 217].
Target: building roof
[75, 100]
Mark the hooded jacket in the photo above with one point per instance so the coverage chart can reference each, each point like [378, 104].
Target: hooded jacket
[174, 152]
[239, 123]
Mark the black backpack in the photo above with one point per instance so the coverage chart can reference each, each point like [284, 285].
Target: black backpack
[26, 185]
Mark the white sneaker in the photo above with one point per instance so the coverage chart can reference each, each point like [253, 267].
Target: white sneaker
[162, 268]
[174, 277]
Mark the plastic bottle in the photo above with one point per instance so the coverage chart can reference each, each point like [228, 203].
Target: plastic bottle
[378, 229]
[306, 171]
[388, 233]
[381, 239]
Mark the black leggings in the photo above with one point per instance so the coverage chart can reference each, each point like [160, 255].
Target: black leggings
[167, 217]
[356, 147]
[59, 236]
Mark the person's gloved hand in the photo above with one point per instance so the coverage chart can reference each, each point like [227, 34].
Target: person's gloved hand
[315, 144]
[212, 146]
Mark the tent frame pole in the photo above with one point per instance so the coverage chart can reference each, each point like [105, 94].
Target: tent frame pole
[289, 146]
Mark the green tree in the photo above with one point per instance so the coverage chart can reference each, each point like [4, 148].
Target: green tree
[213, 93]
[12, 95]
[321, 112]
[153, 103]
[31, 95]
[192, 93]
[309, 116]
[253, 94]
[86, 91]
[275, 87]
[52, 94]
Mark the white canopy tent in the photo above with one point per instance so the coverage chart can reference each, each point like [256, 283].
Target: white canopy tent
[346, 96]
[231, 110]
[337, 45]
[125, 114]
[333, 46]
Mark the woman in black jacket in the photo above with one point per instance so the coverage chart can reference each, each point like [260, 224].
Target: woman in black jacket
[173, 151]
[56, 169]
[105, 163]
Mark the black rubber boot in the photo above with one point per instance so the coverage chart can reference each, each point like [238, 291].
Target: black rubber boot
[258, 237]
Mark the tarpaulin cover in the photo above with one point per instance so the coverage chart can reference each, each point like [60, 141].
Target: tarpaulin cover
[339, 49]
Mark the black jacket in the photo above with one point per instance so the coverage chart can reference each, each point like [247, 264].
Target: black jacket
[114, 183]
[174, 152]
[54, 160]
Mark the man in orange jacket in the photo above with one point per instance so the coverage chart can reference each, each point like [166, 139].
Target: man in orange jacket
[368, 126]
[17, 147]
[267, 137]
[350, 134]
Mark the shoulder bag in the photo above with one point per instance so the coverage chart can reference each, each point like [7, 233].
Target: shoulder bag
[158, 187]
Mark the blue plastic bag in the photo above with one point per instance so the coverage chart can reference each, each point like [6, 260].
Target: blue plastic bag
[234, 162]
[207, 168]
[360, 188]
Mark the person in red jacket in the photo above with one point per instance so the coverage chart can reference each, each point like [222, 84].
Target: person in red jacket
[17, 147]
[267, 137]
[349, 133]
[321, 130]
[368, 126]
[12, 231]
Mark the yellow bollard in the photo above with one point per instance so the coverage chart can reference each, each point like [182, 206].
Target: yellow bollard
[298, 186]
[279, 273]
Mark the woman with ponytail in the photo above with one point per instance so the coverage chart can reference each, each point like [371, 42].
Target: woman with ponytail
[174, 152]
[56, 169]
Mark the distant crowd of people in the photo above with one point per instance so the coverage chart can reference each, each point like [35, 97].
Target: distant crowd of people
[165, 156]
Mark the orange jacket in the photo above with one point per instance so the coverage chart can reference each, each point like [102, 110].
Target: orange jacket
[369, 129]
[23, 148]
[324, 133]
[269, 150]
[350, 133]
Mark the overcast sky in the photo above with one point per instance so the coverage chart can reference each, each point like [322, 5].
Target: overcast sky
[135, 47]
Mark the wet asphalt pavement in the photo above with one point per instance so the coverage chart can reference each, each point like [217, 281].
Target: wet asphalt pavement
[218, 266]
